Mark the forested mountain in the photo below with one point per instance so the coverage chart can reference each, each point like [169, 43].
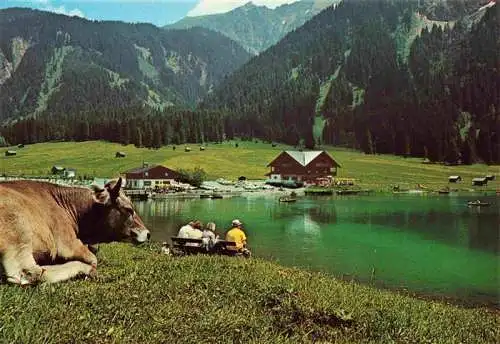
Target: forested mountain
[257, 27]
[417, 78]
[55, 63]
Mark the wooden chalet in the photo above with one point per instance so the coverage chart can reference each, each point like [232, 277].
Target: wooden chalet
[454, 179]
[479, 181]
[150, 177]
[57, 169]
[307, 167]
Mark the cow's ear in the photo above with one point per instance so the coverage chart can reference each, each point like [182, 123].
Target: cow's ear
[115, 192]
[100, 195]
[96, 188]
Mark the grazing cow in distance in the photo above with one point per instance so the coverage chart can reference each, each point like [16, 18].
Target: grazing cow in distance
[46, 229]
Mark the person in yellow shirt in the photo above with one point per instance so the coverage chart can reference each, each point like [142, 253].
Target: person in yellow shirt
[237, 235]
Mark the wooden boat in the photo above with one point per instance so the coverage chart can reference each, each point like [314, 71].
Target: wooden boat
[443, 192]
[217, 196]
[287, 199]
[205, 196]
[477, 203]
[355, 192]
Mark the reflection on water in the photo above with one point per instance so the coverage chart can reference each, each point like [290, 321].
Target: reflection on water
[426, 244]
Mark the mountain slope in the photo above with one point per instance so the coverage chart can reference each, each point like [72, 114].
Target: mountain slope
[257, 27]
[381, 76]
[51, 62]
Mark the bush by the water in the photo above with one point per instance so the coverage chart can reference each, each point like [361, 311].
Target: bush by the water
[194, 177]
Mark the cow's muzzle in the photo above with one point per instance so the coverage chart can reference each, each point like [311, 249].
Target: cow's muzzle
[140, 235]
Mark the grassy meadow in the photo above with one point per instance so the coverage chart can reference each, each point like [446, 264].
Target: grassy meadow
[377, 172]
[142, 296]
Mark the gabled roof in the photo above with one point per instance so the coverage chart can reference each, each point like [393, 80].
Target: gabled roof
[141, 169]
[479, 179]
[305, 158]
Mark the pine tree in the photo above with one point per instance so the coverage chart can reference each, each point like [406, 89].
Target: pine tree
[138, 137]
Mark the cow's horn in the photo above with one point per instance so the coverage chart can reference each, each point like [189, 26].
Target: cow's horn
[116, 188]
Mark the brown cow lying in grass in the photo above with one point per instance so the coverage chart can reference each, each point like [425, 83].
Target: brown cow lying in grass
[43, 223]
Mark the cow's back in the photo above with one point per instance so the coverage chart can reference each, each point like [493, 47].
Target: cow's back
[28, 216]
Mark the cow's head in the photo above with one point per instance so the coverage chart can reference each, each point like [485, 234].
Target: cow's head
[120, 221]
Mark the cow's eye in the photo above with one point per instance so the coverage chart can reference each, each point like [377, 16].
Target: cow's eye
[129, 211]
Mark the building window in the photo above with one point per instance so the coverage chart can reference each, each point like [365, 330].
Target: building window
[166, 174]
[146, 174]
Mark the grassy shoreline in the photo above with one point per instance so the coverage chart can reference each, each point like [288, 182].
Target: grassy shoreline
[143, 296]
[372, 172]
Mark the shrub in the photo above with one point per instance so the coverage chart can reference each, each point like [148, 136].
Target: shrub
[194, 177]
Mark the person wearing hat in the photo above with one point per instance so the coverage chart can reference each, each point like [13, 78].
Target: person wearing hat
[238, 236]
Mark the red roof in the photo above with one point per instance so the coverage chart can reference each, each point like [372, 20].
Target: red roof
[305, 158]
[151, 172]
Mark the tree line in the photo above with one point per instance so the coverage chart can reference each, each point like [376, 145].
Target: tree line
[141, 126]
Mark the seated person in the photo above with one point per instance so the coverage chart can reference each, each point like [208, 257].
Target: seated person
[191, 231]
[238, 236]
[209, 237]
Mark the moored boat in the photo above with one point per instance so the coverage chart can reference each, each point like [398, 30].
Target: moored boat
[477, 203]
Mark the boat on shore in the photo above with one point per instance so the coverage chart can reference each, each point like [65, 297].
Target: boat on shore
[352, 192]
[477, 203]
[211, 196]
[287, 199]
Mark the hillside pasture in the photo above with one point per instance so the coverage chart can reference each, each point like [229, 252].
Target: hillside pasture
[250, 158]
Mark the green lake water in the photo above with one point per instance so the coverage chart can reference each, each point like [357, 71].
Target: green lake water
[432, 245]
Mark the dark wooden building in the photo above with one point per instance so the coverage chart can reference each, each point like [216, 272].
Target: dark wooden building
[308, 167]
[479, 181]
[150, 177]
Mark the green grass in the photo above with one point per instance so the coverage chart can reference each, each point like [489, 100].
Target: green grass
[144, 297]
[375, 172]
[141, 296]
